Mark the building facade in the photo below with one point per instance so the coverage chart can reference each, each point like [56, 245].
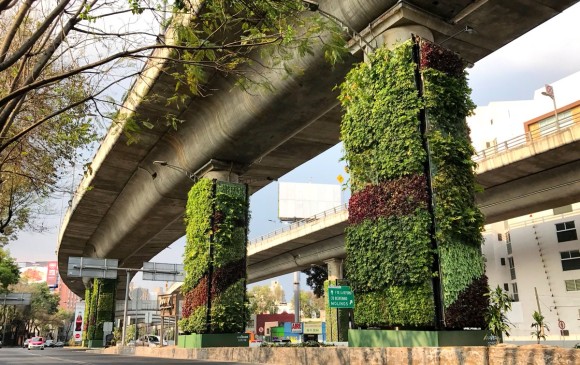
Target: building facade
[534, 258]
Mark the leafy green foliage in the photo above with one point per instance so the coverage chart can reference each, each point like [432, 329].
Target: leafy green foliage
[539, 325]
[389, 241]
[229, 310]
[227, 36]
[459, 221]
[198, 212]
[393, 251]
[315, 278]
[217, 219]
[105, 310]
[379, 126]
[9, 272]
[495, 316]
[406, 306]
[261, 300]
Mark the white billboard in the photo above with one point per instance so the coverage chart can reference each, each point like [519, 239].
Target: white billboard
[302, 200]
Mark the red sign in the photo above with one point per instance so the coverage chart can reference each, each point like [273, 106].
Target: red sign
[561, 324]
[296, 327]
[52, 274]
[77, 335]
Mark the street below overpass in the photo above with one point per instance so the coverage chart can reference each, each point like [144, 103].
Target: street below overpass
[62, 356]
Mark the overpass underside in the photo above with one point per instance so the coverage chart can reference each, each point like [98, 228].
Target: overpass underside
[134, 209]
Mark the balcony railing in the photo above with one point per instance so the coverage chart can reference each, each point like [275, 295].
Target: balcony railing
[300, 223]
[562, 124]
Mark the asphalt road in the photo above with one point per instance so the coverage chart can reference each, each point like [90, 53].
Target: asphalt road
[71, 356]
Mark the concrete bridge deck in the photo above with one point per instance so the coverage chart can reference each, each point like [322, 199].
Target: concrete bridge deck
[128, 208]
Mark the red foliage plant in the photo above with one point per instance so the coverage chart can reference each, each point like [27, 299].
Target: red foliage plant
[439, 58]
[226, 276]
[467, 311]
[195, 298]
[399, 197]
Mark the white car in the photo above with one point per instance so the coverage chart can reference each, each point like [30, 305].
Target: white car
[36, 343]
[149, 340]
[49, 343]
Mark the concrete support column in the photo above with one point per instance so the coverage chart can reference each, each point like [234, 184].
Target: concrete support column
[221, 175]
[334, 268]
[220, 170]
[394, 36]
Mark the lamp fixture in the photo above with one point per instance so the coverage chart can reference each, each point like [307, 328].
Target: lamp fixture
[467, 29]
[190, 175]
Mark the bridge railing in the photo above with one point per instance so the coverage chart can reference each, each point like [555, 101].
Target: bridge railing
[559, 125]
[300, 223]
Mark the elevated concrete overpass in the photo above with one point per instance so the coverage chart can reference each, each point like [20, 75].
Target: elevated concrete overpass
[129, 209]
[521, 178]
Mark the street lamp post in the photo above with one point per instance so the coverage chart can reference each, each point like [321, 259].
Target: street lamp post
[550, 93]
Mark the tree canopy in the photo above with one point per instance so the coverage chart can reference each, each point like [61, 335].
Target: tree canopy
[66, 64]
[9, 273]
[262, 300]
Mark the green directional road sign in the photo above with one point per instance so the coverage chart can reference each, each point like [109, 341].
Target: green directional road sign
[340, 297]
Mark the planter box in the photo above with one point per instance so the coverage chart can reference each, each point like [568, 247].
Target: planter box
[96, 344]
[214, 340]
[409, 338]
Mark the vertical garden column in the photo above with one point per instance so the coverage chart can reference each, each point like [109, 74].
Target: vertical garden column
[100, 308]
[215, 256]
[413, 240]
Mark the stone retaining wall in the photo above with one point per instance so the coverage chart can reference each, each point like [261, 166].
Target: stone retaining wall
[497, 355]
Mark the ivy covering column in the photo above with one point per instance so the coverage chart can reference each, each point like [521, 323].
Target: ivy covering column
[99, 308]
[215, 258]
[404, 257]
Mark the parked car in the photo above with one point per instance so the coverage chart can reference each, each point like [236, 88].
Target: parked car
[149, 340]
[49, 343]
[25, 343]
[36, 343]
[59, 344]
[0, 344]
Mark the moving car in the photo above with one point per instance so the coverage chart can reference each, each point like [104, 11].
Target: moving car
[149, 340]
[36, 343]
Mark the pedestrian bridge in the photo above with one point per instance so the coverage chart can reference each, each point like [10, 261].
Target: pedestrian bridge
[129, 209]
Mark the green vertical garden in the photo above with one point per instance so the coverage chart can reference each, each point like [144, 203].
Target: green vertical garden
[100, 308]
[414, 235]
[215, 258]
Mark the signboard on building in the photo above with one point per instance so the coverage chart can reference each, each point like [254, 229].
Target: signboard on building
[296, 327]
[312, 328]
[298, 200]
[33, 274]
[79, 321]
[340, 297]
[167, 305]
[52, 274]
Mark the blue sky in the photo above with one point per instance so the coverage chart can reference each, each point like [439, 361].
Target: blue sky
[514, 72]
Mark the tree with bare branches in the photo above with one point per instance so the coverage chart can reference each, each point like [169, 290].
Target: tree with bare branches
[66, 64]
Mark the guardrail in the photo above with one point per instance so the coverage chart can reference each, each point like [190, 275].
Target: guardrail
[300, 223]
[559, 125]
